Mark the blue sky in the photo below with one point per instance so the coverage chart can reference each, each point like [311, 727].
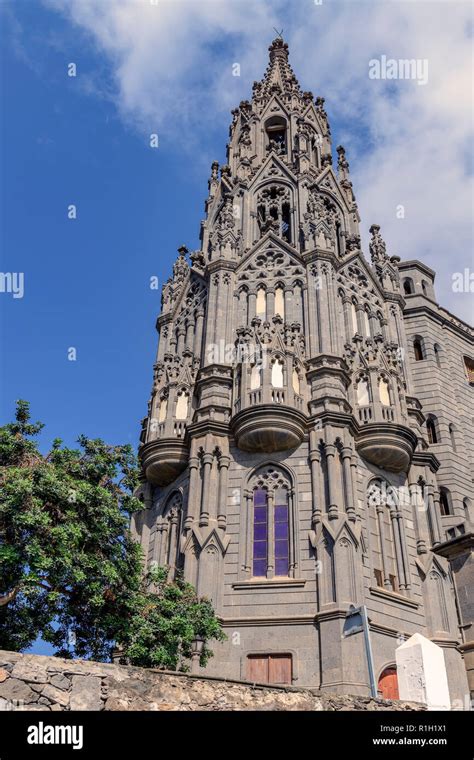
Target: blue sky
[86, 280]
[166, 68]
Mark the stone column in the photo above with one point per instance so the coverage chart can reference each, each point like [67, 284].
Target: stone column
[315, 460]
[288, 304]
[173, 544]
[432, 515]
[197, 350]
[398, 548]
[211, 315]
[346, 466]
[220, 316]
[374, 324]
[322, 327]
[173, 340]
[355, 493]
[252, 305]
[271, 536]
[163, 341]
[270, 304]
[360, 319]
[164, 527]
[415, 500]
[248, 553]
[243, 319]
[380, 509]
[206, 481]
[313, 313]
[404, 549]
[437, 515]
[333, 317]
[305, 309]
[181, 334]
[190, 334]
[213, 492]
[193, 492]
[346, 305]
[227, 311]
[224, 463]
[333, 511]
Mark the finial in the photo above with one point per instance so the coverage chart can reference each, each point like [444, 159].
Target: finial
[342, 163]
[278, 49]
[182, 250]
[377, 247]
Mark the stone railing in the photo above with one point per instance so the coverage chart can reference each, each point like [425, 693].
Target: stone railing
[33, 682]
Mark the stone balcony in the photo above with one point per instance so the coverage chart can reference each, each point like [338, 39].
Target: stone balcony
[271, 419]
[382, 440]
[165, 454]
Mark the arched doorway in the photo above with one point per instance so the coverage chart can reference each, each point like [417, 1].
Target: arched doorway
[388, 684]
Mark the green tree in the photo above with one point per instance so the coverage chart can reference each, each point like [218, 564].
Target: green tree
[70, 571]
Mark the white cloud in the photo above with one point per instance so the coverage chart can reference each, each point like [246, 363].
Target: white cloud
[408, 144]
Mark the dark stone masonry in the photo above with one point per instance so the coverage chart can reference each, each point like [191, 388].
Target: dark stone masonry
[308, 441]
[33, 682]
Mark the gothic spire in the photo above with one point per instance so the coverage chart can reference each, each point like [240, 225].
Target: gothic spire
[279, 77]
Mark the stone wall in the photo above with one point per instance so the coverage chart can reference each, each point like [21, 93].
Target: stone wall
[32, 682]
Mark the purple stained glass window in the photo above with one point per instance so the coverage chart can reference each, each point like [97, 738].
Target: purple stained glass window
[260, 532]
[282, 546]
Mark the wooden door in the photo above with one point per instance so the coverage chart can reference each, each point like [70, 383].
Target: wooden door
[257, 668]
[269, 668]
[388, 684]
[279, 670]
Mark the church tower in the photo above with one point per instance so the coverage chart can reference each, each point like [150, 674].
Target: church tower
[287, 465]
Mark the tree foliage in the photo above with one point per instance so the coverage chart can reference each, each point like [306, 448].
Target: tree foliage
[70, 570]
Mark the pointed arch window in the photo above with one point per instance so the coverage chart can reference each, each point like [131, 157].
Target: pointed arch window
[275, 129]
[432, 429]
[355, 326]
[466, 502]
[280, 301]
[274, 211]
[384, 391]
[255, 377]
[182, 405]
[296, 381]
[163, 409]
[260, 532]
[452, 435]
[437, 352]
[261, 305]
[265, 545]
[445, 502]
[277, 373]
[169, 529]
[387, 536]
[418, 349]
[363, 392]
[366, 323]
[469, 368]
[269, 547]
[408, 287]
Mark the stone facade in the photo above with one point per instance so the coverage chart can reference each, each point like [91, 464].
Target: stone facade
[32, 682]
[307, 443]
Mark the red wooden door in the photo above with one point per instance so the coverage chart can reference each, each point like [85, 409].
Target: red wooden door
[279, 670]
[257, 668]
[388, 684]
[269, 668]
